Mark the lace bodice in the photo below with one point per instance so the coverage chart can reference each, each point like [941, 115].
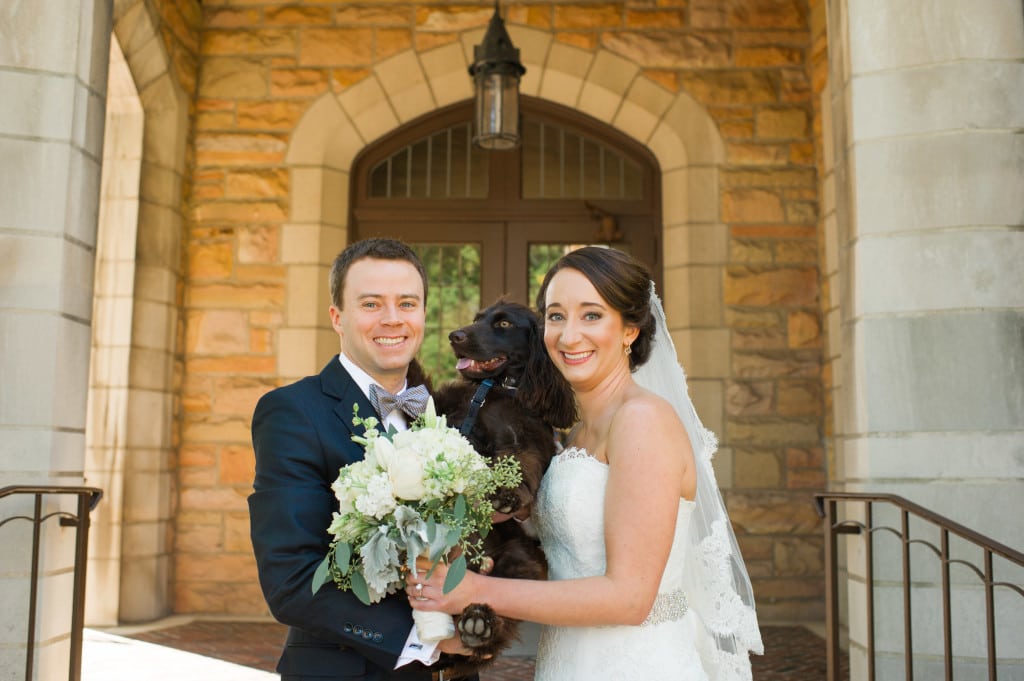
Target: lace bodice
[569, 518]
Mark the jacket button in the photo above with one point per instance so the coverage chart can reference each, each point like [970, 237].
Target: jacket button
[348, 627]
[357, 630]
[367, 634]
[378, 637]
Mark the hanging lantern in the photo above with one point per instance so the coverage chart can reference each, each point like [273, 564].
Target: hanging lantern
[496, 72]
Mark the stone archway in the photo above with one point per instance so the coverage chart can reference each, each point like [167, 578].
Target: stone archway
[673, 126]
[131, 559]
[113, 291]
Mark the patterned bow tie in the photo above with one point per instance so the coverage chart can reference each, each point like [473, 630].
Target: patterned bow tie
[412, 401]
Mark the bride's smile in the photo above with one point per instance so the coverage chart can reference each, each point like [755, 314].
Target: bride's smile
[576, 357]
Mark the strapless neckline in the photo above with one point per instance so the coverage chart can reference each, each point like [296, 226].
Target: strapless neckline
[574, 453]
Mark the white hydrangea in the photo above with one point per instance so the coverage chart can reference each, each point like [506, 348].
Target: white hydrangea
[379, 498]
[351, 484]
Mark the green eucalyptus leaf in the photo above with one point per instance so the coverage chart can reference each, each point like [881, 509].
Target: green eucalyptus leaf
[322, 574]
[456, 571]
[359, 587]
[460, 507]
[343, 556]
[453, 536]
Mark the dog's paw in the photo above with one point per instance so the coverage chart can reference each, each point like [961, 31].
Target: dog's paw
[476, 625]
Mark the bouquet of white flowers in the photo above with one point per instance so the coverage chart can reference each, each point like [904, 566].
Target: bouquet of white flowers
[419, 492]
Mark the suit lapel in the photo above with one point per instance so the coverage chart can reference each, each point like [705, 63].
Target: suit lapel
[337, 383]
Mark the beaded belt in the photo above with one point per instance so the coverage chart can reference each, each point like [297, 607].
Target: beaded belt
[668, 607]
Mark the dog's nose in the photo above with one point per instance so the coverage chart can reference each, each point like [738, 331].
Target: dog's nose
[456, 337]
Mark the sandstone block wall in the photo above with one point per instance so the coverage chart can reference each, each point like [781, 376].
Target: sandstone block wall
[751, 63]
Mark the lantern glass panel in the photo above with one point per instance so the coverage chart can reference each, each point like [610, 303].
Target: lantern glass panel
[497, 111]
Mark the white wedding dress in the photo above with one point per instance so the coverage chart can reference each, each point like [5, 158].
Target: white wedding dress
[569, 518]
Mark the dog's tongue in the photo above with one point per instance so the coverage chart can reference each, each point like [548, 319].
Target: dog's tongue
[464, 363]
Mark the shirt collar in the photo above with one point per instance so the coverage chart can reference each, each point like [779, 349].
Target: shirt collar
[362, 379]
[396, 418]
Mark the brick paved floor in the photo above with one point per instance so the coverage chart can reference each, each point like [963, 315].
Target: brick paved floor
[792, 653]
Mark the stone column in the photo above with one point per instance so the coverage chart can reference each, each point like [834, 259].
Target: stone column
[53, 70]
[927, 113]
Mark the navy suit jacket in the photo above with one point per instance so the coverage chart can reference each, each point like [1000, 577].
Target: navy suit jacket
[302, 436]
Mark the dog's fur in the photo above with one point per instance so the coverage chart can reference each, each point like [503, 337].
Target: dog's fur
[529, 400]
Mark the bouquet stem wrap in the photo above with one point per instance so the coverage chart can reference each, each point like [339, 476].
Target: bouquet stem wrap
[432, 627]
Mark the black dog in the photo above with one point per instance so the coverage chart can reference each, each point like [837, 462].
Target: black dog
[509, 402]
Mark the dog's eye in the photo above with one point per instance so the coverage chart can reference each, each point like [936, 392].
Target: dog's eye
[503, 324]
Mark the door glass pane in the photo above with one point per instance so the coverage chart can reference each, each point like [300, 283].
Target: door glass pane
[453, 276]
[540, 258]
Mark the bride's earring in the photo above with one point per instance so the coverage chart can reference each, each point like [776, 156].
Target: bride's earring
[628, 349]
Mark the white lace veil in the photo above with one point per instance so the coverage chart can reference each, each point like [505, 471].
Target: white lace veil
[716, 582]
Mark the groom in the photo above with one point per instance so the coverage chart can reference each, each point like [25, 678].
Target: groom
[302, 436]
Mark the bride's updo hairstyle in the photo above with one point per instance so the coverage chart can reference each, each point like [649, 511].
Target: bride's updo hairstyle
[623, 282]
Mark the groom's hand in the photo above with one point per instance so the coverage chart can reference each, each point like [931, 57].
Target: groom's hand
[453, 646]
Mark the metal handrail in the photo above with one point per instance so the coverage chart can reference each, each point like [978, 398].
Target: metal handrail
[88, 497]
[826, 504]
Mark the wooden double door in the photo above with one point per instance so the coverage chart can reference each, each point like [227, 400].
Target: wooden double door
[489, 224]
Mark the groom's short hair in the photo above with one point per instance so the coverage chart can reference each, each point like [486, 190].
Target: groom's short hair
[381, 249]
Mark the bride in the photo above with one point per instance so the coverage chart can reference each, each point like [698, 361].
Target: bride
[646, 580]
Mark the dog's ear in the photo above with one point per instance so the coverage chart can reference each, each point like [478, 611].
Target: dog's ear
[417, 376]
[543, 389]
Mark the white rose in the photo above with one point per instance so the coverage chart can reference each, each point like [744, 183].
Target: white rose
[406, 473]
[405, 469]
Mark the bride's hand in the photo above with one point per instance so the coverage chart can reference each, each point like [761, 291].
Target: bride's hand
[427, 594]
